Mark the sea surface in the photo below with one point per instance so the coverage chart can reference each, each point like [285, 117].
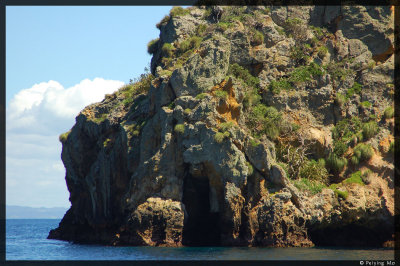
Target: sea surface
[26, 240]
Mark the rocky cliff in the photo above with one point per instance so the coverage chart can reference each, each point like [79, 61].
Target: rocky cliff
[257, 126]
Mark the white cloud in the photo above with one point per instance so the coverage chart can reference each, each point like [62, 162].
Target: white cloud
[35, 118]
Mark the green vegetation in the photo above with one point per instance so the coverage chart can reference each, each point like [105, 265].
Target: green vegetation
[340, 99]
[341, 194]
[322, 51]
[369, 129]
[254, 143]
[251, 98]
[171, 105]
[179, 128]
[250, 168]
[264, 120]
[362, 152]
[366, 176]
[187, 111]
[163, 22]
[355, 89]
[297, 76]
[389, 112]
[100, 119]
[219, 137]
[315, 171]
[136, 87]
[338, 70]
[354, 178]
[201, 96]
[201, 30]
[243, 74]
[335, 163]
[178, 11]
[63, 137]
[339, 148]
[221, 94]
[107, 143]
[366, 104]
[346, 129]
[189, 44]
[167, 49]
[318, 32]
[226, 126]
[312, 186]
[152, 46]
[257, 37]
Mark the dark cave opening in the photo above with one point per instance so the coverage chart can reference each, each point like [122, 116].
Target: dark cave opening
[202, 227]
[352, 235]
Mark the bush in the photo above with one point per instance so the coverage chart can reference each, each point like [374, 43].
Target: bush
[335, 163]
[314, 171]
[257, 37]
[187, 111]
[366, 176]
[221, 94]
[346, 128]
[179, 128]
[178, 11]
[219, 137]
[389, 112]
[340, 99]
[369, 130]
[250, 168]
[276, 86]
[322, 51]
[163, 22]
[167, 49]
[152, 46]
[201, 29]
[64, 136]
[363, 152]
[340, 148]
[201, 96]
[226, 126]
[189, 44]
[251, 98]
[243, 74]
[265, 120]
[355, 89]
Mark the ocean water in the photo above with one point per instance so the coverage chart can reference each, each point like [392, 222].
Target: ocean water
[26, 240]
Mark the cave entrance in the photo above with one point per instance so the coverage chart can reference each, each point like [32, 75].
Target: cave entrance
[202, 227]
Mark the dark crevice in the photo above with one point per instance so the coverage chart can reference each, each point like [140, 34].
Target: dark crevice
[201, 227]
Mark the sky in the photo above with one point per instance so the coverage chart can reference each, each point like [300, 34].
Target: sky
[59, 60]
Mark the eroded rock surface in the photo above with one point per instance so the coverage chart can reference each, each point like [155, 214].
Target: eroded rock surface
[237, 135]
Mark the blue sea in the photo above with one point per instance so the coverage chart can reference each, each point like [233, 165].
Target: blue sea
[26, 240]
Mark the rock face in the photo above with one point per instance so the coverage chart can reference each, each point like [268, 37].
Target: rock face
[257, 127]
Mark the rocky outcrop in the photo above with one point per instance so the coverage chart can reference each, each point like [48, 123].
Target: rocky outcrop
[256, 126]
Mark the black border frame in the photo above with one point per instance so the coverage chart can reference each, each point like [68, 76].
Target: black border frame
[5, 3]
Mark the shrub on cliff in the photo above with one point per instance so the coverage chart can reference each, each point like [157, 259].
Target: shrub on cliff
[240, 72]
[167, 49]
[335, 163]
[369, 129]
[362, 152]
[63, 137]
[178, 11]
[257, 37]
[313, 170]
[264, 119]
[152, 46]
[163, 22]
[179, 128]
[389, 112]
